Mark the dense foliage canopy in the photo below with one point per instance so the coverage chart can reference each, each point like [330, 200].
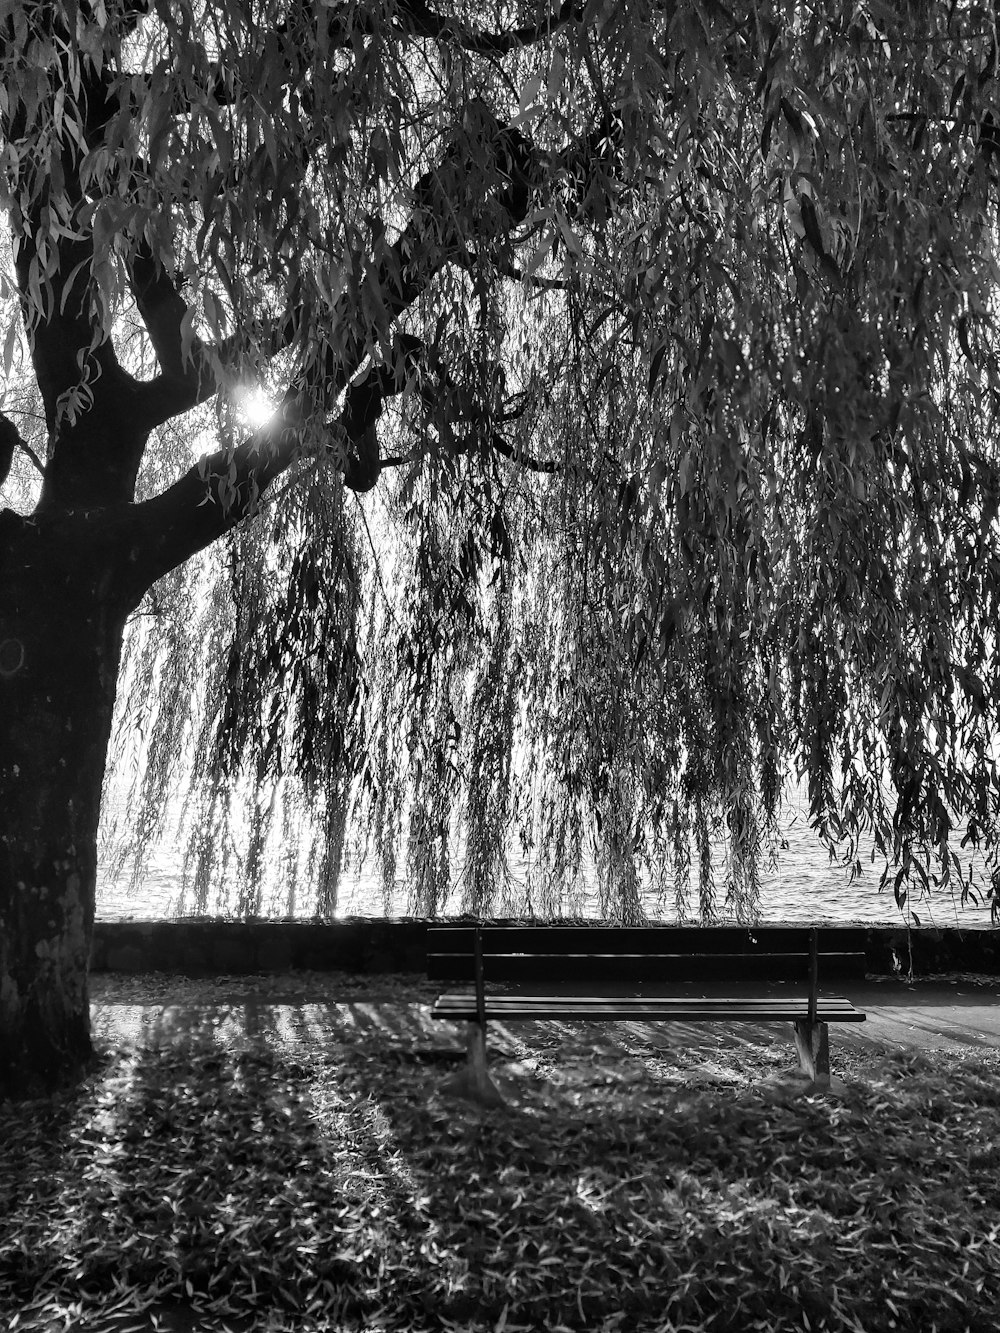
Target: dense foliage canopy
[641, 363]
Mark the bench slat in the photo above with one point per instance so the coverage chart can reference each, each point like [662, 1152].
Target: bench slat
[517, 999]
[646, 939]
[594, 967]
[463, 1007]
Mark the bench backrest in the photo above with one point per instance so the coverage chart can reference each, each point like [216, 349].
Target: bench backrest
[543, 954]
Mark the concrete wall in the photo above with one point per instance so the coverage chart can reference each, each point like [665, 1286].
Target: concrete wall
[206, 947]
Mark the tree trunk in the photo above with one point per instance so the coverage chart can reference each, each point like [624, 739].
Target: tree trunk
[61, 628]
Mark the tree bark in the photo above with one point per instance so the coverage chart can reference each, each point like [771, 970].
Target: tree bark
[61, 626]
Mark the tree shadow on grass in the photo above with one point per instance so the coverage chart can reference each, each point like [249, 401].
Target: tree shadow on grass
[295, 1167]
[208, 1175]
[38, 1136]
[617, 1194]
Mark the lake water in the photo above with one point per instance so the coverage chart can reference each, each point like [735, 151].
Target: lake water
[805, 887]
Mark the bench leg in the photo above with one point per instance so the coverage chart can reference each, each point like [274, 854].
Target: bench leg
[474, 1080]
[812, 1041]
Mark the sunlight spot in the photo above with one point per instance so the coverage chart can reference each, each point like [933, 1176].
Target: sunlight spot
[254, 406]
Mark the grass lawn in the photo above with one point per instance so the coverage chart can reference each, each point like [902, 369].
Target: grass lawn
[294, 1168]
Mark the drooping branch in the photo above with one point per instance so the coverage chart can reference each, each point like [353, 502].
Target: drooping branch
[442, 388]
[469, 261]
[366, 401]
[496, 441]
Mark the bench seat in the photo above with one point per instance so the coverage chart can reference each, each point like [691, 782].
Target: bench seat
[461, 1007]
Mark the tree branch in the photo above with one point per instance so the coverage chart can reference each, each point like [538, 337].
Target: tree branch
[417, 19]
[186, 378]
[223, 489]
[11, 439]
[412, 18]
[430, 240]
[364, 405]
[522, 459]
[425, 22]
[96, 441]
[95, 447]
[366, 400]
[188, 373]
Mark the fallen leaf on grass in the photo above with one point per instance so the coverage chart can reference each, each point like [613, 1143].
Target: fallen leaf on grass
[311, 1167]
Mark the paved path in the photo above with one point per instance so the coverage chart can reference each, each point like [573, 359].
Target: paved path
[961, 1013]
[933, 1015]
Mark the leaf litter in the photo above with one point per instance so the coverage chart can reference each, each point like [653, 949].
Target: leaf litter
[292, 1166]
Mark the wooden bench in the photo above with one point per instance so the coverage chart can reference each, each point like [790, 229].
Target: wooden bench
[662, 973]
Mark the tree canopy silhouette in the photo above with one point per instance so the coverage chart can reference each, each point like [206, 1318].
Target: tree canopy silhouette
[634, 373]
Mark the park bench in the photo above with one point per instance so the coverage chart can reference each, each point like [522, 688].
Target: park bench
[664, 973]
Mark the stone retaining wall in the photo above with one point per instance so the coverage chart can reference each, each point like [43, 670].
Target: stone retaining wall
[206, 947]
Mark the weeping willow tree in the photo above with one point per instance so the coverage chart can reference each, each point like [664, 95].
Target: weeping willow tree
[634, 380]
